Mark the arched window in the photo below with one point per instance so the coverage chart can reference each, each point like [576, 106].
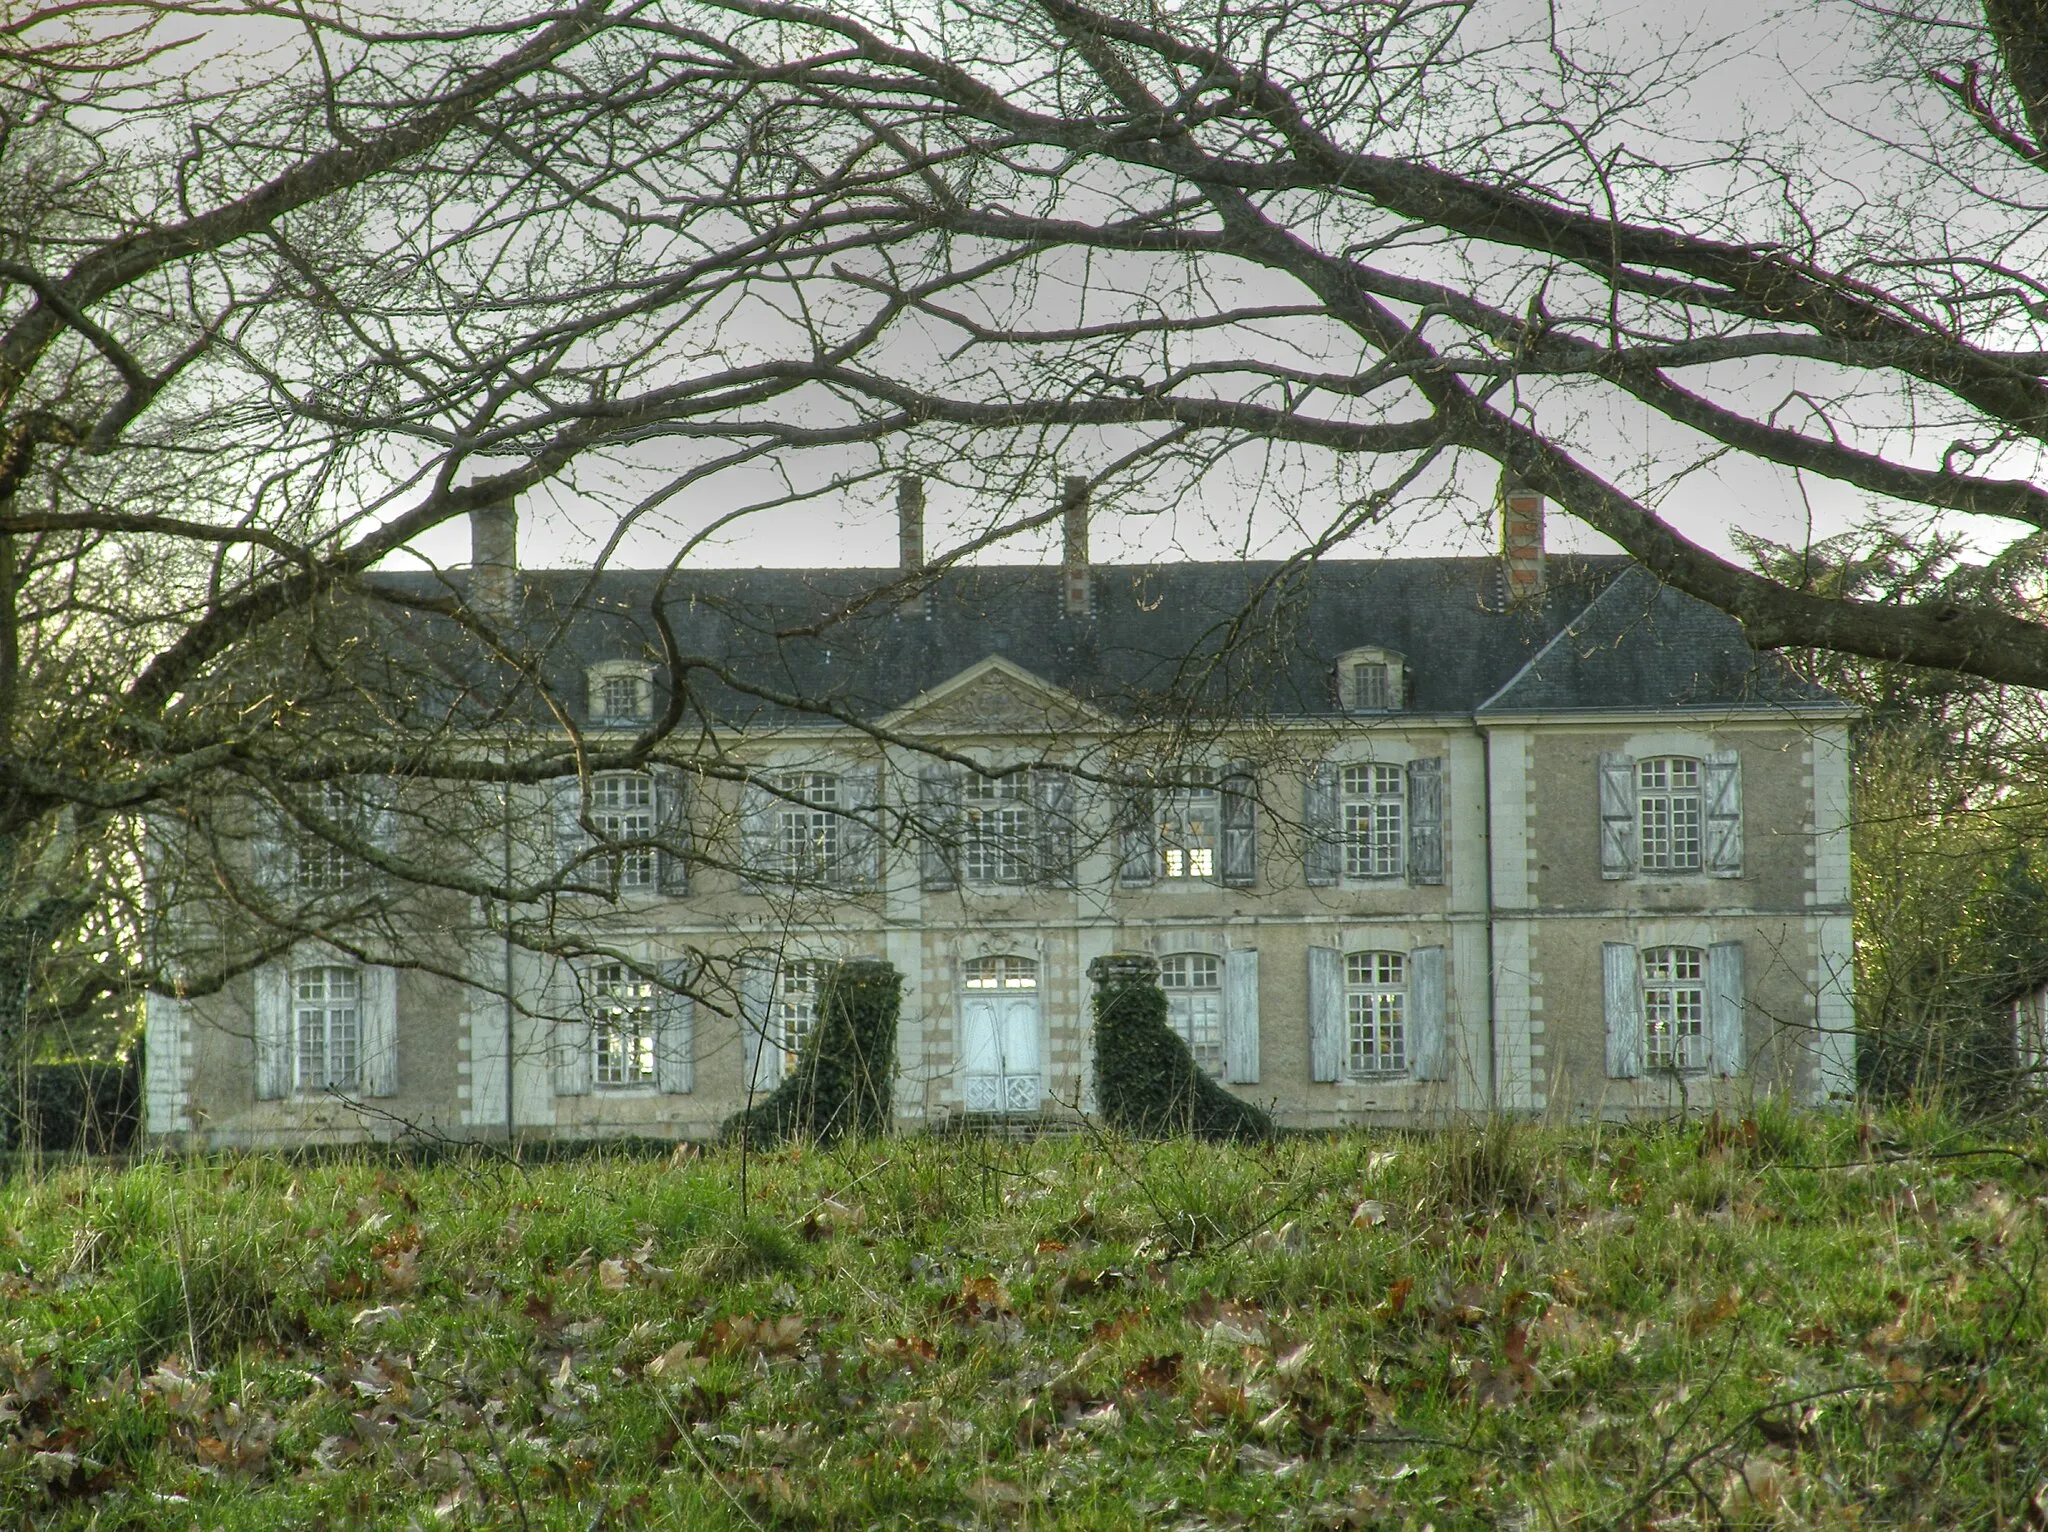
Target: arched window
[622, 808]
[807, 823]
[1193, 982]
[1674, 1008]
[1375, 1011]
[797, 985]
[1002, 972]
[622, 1003]
[1668, 811]
[328, 1023]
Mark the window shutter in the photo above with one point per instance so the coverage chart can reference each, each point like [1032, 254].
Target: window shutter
[572, 1038]
[1724, 814]
[273, 860]
[572, 841]
[1426, 822]
[757, 833]
[1240, 826]
[273, 1031]
[1241, 1016]
[938, 811]
[1137, 838]
[379, 800]
[1325, 1013]
[1323, 846]
[1052, 797]
[672, 825]
[1617, 815]
[757, 1000]
[1725, 1007]
[675, 1027]
[1427, 1043]
[1621, 985]
[377, 994]
[860, 833]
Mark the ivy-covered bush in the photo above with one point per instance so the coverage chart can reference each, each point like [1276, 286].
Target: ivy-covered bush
[1146, 1081]
[842, 1080]
[88, 1106]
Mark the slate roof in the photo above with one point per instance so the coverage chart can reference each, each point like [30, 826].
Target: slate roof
[1254, 639]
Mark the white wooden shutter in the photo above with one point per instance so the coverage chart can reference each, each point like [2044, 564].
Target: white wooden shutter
[1240, 826]
[1137, 838]
[1426, 820]
[1052, 797]
[1325, 1013]
[1725, 1008]
[1241, 1016]
[1617, 815]
[377, 995]
[1622, 990]
[1323, 845]
[1428, 1045]
[273, 857]
[757, 1006]
[672, 825]
[565, 797]
[938, 814]
[758, 849]
[571, 1035]
[859, 863]
[378, 797]
[274, 1031]
[675, 1032]
[1723, 814]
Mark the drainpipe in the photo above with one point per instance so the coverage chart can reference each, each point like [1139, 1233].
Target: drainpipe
[510, 1016]
[1492, 1005]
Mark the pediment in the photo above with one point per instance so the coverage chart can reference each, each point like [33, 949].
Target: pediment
[995, 696]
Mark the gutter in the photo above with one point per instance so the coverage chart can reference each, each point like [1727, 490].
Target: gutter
[1492, 1005]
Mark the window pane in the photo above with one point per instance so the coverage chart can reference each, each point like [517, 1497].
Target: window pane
[1375, 1004]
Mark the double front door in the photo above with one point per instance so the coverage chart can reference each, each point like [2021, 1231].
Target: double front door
[999, 1035]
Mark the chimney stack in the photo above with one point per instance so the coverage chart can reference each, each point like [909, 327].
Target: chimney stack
[1077, 588]
[1521, 541]
[910, 538]
[494, 561]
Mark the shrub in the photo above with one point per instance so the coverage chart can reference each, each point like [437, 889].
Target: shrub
[87, 1106]
[841, 1083]
[1146, 1081]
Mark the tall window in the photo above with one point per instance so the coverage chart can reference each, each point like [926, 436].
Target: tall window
[622, 697]
[623, 1004]
[996, 844]
[324, 868]
[1187, 831]
[328, 1014]
[1674, 1008]
[1002, 972]
[1370, 687]
[1193, 982]
[1668, 804]
[796, 1008]
[622, 808]
[1375, 1003]
[807, 821]
[1374, 806]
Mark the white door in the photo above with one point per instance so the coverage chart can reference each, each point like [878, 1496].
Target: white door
[999, 1035]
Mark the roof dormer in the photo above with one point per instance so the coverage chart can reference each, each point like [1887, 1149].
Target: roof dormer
[1371, 681]
[621, 693]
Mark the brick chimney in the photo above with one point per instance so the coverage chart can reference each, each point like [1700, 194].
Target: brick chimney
[494, 561]
[1077, 589]
[910, 538]
[1521, 541]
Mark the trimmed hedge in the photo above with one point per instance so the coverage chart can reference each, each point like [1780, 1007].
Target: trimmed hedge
[842, 1081]
[85, 1106]
[1146, 1082]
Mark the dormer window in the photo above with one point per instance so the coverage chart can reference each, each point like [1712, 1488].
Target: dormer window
[621, 692]
[1370, 681]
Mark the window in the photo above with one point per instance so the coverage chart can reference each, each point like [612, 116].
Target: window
[1187, 831]
[622, 809]
[1374, 804]
[806, 821]
[1193, 982]
[1668, 813]
[796, 1008]
[623, 1004]
[1369, 686]
[1004, 972]
[624, 697]
[1375, 1003]
[1370, 681]
[328, 1020]
[322, 867]
[1674, 1008]
[996, 843]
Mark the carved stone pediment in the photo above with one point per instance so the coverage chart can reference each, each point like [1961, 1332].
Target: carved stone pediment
[994, 697]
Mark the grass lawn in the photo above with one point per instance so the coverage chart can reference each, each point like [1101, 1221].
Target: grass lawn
[1776, 1323]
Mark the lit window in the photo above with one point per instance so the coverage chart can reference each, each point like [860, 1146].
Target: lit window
[996, 843]
[1003, 972]
[623, 1021]
[322, 867]
[1375, 1002]
[797, 985]
[807, 822]
[1187, 831]
[1668, 803]
[1674, 1008]
[1373, 807]
[329, 1018]
[622, 809]
[622, 697]
[1193, 983]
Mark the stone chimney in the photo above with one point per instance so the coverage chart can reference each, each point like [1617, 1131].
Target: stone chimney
[1077, 589]
[910, 538]
[494, 561]
[1521, 541]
